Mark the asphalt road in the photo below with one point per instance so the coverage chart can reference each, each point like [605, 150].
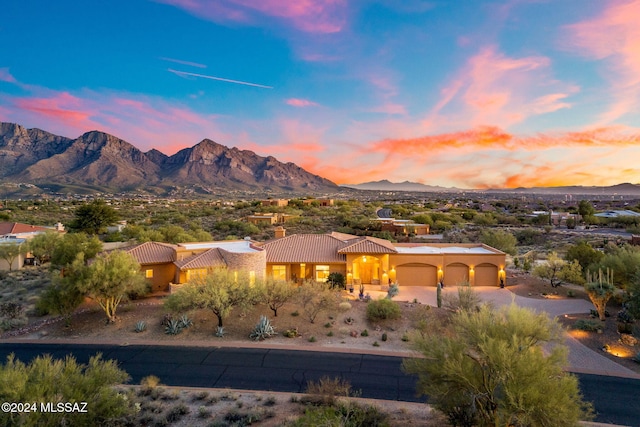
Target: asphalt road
[377, 377]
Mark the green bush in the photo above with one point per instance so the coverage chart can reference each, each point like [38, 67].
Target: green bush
[587, 325]
[383, 309]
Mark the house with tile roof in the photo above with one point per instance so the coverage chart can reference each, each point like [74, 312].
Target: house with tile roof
[164, 264]
[12, 232]
[378, 262]
[362, 260]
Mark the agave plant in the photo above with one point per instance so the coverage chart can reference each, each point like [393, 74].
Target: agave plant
[220, 332]
[262, 330]
[185, 322]
[174, 327]
[141, 326]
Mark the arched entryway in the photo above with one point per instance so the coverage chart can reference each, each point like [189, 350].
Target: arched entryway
[366, 270]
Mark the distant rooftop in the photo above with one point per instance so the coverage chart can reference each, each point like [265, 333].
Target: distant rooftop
[441, 250]
[237, 246]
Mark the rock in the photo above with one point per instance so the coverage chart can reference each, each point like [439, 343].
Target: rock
[628, 340]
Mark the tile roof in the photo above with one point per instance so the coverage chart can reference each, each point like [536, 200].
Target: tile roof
[369, 245]
[208, 259]
[153, 252]
[311, 248]
[17, 228]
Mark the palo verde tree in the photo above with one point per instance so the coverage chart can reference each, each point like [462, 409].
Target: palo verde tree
[93, 218]
[488, 368]
[600, 290]
[316, 297]
[63, 295]
[112, 278]
[46, 380]
[42, 245]
[499, 239]
[68, 247]
[275, 293]
[558, 271]
[219, 291]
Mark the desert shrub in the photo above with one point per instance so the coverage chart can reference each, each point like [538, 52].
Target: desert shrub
[177, 412]
[347, 415]
[326, 390]
[291, 333]
[11, 310]
[393, 290]
[345, 306]
[383, 309]
[465, 300]
[384, 337]
[587, 325]
[364, 333]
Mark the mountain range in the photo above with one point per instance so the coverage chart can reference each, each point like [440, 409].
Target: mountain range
[103, 162]
[385, 185]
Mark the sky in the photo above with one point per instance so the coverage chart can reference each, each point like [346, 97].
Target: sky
[456, 93]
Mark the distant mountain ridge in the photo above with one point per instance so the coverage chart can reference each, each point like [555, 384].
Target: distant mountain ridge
[100, 160]
[385, 185]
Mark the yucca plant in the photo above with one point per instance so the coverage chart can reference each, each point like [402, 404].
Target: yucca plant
[174, 327]
[262, 330]
[141, 326]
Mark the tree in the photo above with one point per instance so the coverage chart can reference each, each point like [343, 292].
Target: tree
[94, 217]
[558, 271]
[584, 253]
[600, 291]
[46, 380]
[276, 293]
[70, 245]
[42, 245]
[315, 297]
[499, 239]
[219, 291]
[112, 278]
[625, 262]
[63, 296]
[10, 251]
[488, 368]
[585, 209]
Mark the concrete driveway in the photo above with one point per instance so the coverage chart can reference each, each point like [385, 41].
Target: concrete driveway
[581, 358]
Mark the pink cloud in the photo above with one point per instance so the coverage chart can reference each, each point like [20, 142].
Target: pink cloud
[494, 89]
[310, 16]
[5, 76]
[614, 37]
[297, 102]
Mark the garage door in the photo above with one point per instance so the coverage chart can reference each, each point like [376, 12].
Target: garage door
[456, 274]
[486, 275]
[416, 275]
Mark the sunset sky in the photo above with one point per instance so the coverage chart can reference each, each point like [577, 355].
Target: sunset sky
[465, 93]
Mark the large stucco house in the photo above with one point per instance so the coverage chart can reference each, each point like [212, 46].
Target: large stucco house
[362, 260]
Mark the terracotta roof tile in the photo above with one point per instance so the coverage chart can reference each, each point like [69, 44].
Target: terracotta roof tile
[17, 228]
[153, 253]
[369, 245]
[311, 248]
[207, 259]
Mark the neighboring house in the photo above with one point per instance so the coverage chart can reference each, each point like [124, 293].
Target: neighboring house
[635, 240]
[373, 261]
[12, 231]
[270, 218]
[164, 264]
[404, 227]
[320, 202]
[617, 213]
[275, 202]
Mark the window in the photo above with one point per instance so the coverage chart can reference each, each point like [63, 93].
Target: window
[279, 272]
[196, 273]
[322, 273]
[252, 278]
[148, 273]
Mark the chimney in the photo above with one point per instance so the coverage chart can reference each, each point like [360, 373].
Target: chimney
[280, 232]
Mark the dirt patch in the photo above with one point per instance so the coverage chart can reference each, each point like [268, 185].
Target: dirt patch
[347, 329]
[526, 285]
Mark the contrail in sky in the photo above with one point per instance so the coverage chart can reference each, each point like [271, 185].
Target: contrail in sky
[179, 61]
[184, 73]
